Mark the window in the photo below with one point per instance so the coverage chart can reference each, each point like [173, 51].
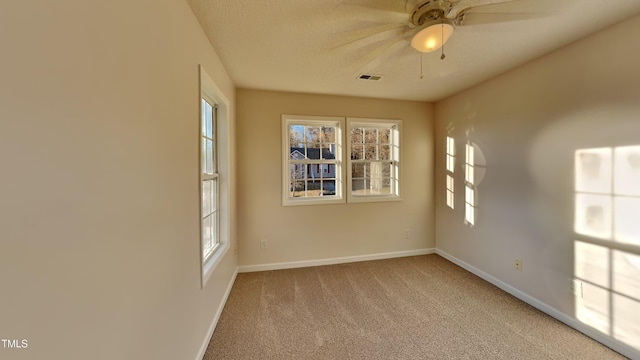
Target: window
[213, 176]
[209, 178]
[312, 158]
[469, 191]
[451, 161]
[374, 160]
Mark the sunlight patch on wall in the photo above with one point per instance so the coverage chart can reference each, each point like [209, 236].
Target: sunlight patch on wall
[451, 165]
[607, 222]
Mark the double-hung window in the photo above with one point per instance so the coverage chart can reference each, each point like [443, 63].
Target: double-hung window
[213, 176]
[209, 180]
[312, 159]
[374, 160]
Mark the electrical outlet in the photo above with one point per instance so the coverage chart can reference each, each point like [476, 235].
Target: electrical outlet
[235, 250]
[407, 233]
[264, 244]
[576, 287]
[517, 264]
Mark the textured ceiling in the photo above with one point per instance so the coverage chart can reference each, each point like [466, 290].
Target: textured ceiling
[321, 46]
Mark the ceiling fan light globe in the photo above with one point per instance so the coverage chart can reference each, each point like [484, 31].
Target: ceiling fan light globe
[432, 37]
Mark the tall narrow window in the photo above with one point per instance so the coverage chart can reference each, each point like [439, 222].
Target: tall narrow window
[214, 177]
[312, 158]
[469, 193]
[451, 161]
[209, 179]
[374, 160]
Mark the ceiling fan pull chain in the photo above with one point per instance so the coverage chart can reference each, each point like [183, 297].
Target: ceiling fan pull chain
[421, 57]
[442, 34]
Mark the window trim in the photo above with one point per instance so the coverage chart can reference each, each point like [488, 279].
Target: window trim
[396, 137]
[338, 122]
[209, 90]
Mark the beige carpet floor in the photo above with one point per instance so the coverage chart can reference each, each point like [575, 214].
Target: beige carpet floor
[422, 307]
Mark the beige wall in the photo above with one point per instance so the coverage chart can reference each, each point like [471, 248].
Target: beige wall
[529, 122]
[99, 248]
[298, 233]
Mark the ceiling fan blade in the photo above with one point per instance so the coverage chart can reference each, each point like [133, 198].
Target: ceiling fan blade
[482, 18]
[371, 11]
[458, 7]
[364, 36]
[376, 57]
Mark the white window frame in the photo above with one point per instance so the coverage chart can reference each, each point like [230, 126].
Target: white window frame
[287, 161]
[213, 95]
[395, 142]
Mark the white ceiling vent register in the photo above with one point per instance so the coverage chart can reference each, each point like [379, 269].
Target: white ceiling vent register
[369, 77]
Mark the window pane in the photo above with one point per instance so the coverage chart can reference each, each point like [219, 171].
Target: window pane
[203, 155]
[214, 195]
[328, 152]
[371, 136]
[209, 120]
[296, 134]
[627, 170]
[593, 215]
[203, 120]
[356, 136]
[329, 187]
[207, 235]
[593, 170]
[371, 152]
[357, 152]
[385, 152]
[207, 197]
[328, 134]
[313, 153]
[378, 170]
[314, 171]
[209, 157]
[313, 134]
[385, 135]
[358, 170]
[357, 186]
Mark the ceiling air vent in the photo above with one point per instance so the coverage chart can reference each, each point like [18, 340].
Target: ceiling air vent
[369, 77]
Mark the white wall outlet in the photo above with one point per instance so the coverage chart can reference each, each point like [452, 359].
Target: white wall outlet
[407, 233]
[517, 264]
[264, 243]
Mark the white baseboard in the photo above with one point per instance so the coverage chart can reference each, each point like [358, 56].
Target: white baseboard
[612, 343]
[216, 317]
[332, 261]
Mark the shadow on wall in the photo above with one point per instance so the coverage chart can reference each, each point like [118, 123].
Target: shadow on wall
[602, 147]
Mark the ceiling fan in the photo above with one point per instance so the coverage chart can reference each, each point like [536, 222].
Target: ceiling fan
[432, 22]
